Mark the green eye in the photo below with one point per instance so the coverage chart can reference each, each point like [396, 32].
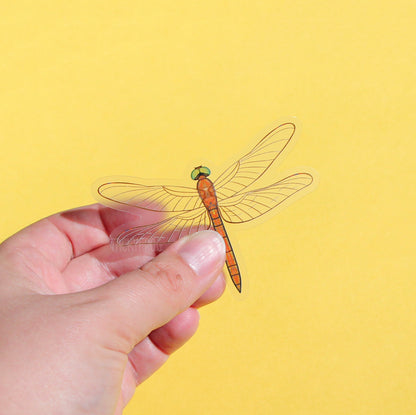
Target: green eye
[205, 171]
[194, 174]
[198, 171]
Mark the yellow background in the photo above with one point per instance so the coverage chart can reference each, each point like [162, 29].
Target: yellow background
[151, 88]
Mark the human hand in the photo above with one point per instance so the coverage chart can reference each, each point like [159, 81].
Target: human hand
[74, 338]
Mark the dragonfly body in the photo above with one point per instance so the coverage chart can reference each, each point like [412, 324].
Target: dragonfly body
[206, 191]
[186, 210]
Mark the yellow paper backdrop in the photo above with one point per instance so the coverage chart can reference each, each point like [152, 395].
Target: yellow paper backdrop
[152, 88]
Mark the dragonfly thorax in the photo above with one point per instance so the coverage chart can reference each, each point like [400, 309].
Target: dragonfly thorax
[206, 191]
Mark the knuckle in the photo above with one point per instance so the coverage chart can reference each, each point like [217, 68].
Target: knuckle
[165, 276]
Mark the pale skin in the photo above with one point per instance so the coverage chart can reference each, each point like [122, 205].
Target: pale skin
[81, 325]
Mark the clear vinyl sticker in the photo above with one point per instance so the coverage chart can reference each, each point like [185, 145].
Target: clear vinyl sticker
[172, 212]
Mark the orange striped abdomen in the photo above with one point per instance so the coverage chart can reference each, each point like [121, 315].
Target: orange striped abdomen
[230, 260]
[208, 196]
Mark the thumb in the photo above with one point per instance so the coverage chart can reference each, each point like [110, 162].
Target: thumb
[140, 301]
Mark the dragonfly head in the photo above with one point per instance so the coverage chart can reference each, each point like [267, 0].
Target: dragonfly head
[200, 171]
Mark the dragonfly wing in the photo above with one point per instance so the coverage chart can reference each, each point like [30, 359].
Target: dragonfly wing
[254, 164]
[166, 231]
[252, 204]
[129, 196]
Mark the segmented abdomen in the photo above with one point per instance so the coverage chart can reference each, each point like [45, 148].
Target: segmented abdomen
[230, 260]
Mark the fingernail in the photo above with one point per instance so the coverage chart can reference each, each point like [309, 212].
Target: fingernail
[204, 252]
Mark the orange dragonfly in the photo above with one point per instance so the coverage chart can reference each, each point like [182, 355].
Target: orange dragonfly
[226, 199]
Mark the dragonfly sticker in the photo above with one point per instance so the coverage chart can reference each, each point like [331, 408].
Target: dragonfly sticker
[227, 199]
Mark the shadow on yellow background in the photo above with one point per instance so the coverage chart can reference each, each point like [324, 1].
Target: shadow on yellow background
[152, 89]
